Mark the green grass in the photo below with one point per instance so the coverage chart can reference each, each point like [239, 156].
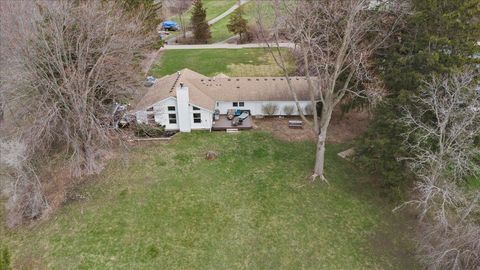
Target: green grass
[219, 29]
[233, 62]
[214, 8]
[473, 183]
[163, 206]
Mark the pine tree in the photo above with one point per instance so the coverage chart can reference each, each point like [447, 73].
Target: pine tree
[201, 29]
[439, 37]
[237, 23]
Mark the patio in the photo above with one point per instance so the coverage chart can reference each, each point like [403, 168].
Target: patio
[223, 124]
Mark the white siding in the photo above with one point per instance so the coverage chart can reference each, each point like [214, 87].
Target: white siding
[160, 110]
[183, 109]
[255, 107]
[205, 116]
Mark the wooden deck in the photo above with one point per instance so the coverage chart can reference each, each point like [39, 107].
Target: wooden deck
[223, 124]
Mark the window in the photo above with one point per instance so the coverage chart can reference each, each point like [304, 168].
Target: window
[235, 104]
[196, 108]
[241, 104]
[172, 118]
[171, 108]
[197, 118]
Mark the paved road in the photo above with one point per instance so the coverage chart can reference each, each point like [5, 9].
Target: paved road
[226, 13]
[223, 46]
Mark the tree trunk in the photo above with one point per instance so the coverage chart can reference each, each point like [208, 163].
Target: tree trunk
[321, 143]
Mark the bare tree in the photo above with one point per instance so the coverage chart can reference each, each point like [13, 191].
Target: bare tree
[180, 7]
[335, 41]
[64, 64]
[443, 123]
[20, 184]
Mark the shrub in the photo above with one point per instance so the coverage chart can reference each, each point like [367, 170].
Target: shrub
[288, 109]
[157, 44]
[308, 110]
[144, 130]
[270, 109]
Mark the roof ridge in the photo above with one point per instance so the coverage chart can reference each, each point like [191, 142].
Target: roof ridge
[179, 74]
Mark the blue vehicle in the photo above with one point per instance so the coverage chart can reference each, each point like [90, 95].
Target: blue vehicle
[170, 25]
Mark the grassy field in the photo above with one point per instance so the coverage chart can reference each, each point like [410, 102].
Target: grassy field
[163, 206]
[214, 8]
[219, 29]
[233, 62]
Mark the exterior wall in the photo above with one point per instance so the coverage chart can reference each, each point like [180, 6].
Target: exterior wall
[160, 110]
[255, 107]
[183, 109]
[205, 116]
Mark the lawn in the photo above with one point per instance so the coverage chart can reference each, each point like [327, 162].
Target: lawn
[163, 206]
[214, 8]
[219, 29]
[233, 62]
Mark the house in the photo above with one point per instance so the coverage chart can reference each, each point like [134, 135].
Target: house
[187, 100]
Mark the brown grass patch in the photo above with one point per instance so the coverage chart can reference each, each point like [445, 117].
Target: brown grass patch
[343, 128]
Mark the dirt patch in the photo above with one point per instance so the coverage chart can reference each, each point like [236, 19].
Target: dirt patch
[343, 128]
[347, 127]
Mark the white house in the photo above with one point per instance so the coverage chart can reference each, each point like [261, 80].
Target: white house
[186, 100]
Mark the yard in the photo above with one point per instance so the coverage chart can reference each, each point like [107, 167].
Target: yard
[219, 29]
[214, 8]
[163, 205]
[209, 62]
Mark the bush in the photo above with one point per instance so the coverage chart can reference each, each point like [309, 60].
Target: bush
[288, 109]
[144, 130]
[308, 110]
[157, 44]
[270, 109]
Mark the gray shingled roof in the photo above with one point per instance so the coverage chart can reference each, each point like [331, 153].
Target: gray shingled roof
[204, 91]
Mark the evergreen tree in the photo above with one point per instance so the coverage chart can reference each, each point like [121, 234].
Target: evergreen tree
[237, 23]
[438, 37]
[201, 29]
